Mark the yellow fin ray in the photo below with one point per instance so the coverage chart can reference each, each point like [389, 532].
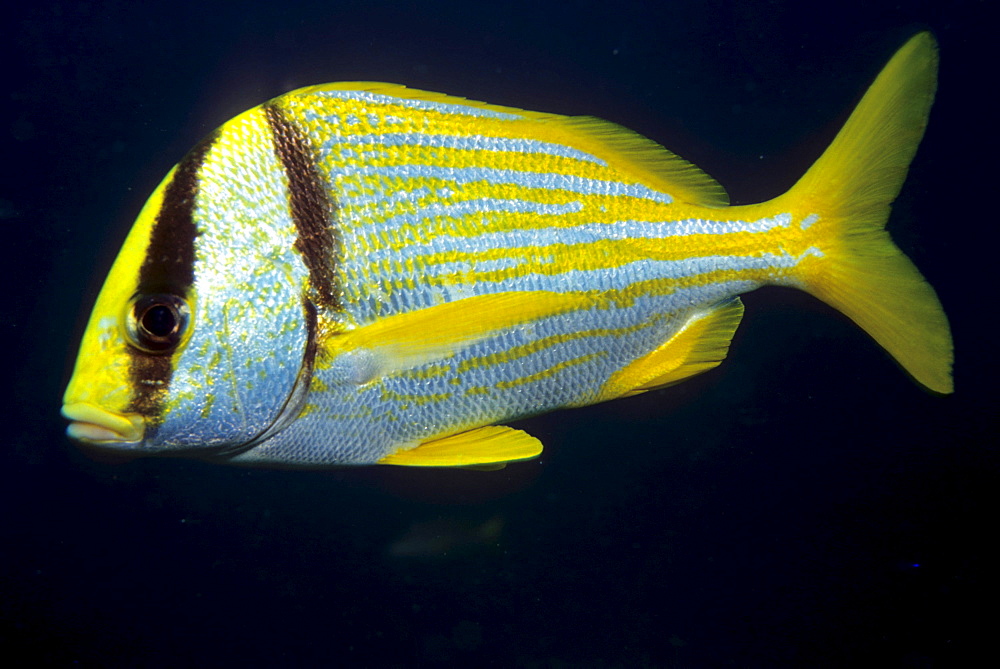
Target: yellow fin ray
[480, 448]
[698, 347]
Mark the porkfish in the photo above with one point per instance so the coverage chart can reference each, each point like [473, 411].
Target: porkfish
[360, 273]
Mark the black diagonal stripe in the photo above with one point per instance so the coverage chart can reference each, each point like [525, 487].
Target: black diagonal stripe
[169, 263]
[313, 209]
[168, 267]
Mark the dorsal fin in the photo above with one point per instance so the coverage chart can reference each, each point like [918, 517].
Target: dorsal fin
[404, 93]
[646, 160]
[628, 151]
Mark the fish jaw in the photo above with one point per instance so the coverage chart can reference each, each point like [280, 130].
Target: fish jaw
[94, 425]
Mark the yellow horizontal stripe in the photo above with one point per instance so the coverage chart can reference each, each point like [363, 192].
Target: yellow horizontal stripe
[504, 385]
[524, 350]
[377, 155]
[418, 399]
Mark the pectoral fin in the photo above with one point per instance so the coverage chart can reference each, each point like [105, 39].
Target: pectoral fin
[480, 448]
[698, 347]
[407, 340]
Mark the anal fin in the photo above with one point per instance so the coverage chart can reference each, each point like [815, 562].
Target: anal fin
[485, 448]
[698, 347]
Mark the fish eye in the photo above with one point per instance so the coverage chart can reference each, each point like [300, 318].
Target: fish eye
[156, 323]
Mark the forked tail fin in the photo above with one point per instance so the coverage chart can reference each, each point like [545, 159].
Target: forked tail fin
[858, 269]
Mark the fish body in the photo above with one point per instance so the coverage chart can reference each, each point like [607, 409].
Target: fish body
[362, 273]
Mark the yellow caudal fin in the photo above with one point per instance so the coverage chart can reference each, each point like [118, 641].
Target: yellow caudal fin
[845, 199]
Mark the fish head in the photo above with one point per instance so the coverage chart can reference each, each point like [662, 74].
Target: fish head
[200, 341]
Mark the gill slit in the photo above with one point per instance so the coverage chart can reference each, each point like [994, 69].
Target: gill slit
[296, 399]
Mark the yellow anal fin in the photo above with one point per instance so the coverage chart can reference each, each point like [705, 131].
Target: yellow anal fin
[414, 338]
[698, 347]
[481, 448]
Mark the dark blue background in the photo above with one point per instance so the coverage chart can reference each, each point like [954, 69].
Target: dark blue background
[806, 504]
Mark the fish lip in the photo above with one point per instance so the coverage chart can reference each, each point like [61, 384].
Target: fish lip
[93, 425]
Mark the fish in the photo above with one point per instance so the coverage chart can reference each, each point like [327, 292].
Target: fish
[361, 273]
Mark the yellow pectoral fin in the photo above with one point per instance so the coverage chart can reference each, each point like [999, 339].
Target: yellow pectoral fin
[407, 340]
[490, 445]
[698, 347]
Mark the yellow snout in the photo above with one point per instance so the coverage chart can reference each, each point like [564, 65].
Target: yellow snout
[95, 425]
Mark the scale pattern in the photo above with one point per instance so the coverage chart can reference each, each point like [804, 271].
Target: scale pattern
[439, 201]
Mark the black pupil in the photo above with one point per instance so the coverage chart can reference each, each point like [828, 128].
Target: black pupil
[159, 320]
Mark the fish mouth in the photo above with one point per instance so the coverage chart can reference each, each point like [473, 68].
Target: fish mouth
[94, 425]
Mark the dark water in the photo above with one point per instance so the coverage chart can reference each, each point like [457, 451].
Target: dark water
[805, 505]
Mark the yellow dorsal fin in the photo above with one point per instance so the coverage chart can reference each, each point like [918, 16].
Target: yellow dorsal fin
[490, 445]
[407, 340]
[699, 346]
[644, 159]
[628, 151]
[404, 93]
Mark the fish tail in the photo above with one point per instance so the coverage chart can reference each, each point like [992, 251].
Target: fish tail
[845, 199]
